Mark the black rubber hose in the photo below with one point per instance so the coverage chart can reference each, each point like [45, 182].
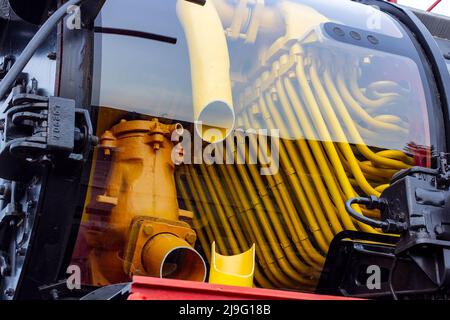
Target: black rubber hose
[360, 217]
[37, 40]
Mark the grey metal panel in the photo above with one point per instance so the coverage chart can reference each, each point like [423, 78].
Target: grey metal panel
[438, 25]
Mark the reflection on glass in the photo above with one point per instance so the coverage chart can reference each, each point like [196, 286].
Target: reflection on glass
[349, 117]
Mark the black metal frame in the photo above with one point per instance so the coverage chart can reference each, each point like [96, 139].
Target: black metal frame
[58, 208]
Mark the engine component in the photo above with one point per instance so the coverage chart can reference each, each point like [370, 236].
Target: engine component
[143, 233]
[415, 206]
[35, 127]
[210, 69]
[37, 133]
[237, 270]
[353, 105]
[302, 87]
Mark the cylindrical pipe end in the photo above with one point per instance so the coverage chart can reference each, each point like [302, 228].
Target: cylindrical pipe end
[168, 256]
[215, 121]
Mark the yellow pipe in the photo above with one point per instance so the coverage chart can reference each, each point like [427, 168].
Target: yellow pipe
[361, 98]
[260, 252]
[289, 212]
[224, 217]
[397, 155]
[316, 149]
[214, 185]
[377, 138]
[382, 187]
[263, 205]
[324, 137]
[197, 191]
[375, 158]
[248, 230]
[368, 168]
[266, 19]
[362, 114]
[392, 119]
[338, 132]
[168, 256]
[274, 219]
[372, 174]
[277, 181]
[201, 236]
[261, 242]
[237, 270]
[218, 197]
[276, 245]
[210, 69]
[291, 153]
[206, 247]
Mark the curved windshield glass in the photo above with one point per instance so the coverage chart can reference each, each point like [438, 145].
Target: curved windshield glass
[232, 134]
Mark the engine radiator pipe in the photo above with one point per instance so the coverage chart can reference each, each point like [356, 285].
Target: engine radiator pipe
[210, 69]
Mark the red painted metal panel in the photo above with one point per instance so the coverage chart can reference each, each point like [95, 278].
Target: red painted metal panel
[148, 288]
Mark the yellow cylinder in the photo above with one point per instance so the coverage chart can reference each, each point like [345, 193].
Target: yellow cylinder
[210, 69]
[168, 256]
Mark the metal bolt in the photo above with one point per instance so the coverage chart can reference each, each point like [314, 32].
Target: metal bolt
[148, 230]
[190, 237]
[52, 56]
[9, 292]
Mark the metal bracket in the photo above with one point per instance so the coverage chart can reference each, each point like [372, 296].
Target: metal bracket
[36, 128]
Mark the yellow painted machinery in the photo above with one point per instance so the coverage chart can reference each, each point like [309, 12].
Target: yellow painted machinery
[312, 105]
[144, 233]
[307, 91]
[284, 144]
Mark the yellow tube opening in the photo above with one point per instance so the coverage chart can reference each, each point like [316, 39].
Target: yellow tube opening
[215, 121]
[167, 256]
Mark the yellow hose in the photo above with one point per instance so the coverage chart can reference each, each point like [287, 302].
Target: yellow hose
[290, 215]
[288, 153]
[206, 245]
[339, 134]
[361, 98]
[304, 192]
[362, 114]
[263, 206]
[293, 215]
[362, 147]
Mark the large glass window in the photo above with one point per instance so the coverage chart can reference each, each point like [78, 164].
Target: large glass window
[280, 110]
